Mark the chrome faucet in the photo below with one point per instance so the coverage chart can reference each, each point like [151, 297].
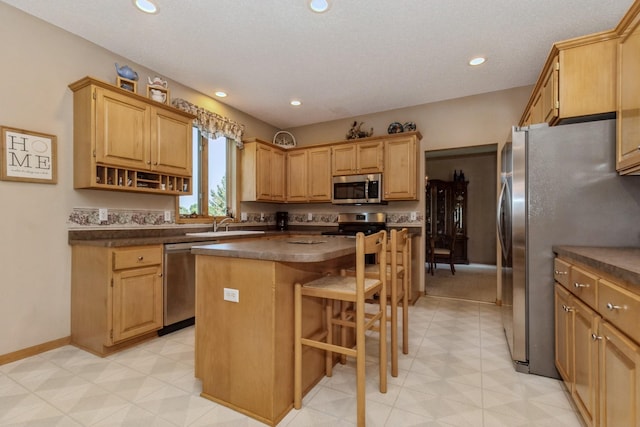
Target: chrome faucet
[218, 224]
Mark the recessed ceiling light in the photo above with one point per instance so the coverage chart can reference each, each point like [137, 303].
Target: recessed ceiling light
[319, 6]
[146, 6]
[295, 103]
[477, 61]
[221, 94]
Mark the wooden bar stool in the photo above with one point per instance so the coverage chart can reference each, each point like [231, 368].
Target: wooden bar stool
[351, 289]
[397, 274]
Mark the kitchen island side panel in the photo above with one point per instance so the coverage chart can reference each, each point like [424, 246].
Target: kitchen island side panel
[244, 350]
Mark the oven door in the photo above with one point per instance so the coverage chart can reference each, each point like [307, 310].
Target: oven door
[357, 189]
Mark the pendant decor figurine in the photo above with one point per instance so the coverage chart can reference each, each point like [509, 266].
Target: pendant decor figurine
[355, 132]
[157, 90]
[127, 78]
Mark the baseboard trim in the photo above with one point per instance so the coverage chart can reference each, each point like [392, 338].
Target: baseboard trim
[33, 351]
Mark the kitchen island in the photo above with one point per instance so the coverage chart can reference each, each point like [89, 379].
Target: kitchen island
[244, 311]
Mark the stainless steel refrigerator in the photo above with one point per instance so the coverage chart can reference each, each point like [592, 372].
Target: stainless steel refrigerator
[559, 187]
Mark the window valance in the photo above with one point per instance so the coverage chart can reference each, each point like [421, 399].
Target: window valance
[211, 124]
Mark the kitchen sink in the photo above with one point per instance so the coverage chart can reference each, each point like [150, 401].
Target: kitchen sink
[225, 233]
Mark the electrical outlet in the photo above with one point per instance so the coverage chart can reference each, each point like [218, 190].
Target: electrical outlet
[167, 216]
[413, 216]
[103, 214]
[261, 216]
[232, 295]
[309, 216]
[243, 216]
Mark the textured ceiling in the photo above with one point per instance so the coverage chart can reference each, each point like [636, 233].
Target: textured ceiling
[359, 58]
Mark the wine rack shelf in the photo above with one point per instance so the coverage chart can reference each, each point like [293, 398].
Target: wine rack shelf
[112, 178]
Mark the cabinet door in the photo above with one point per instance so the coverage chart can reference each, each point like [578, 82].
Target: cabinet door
[171, 144]
[136, 302]
[585, 355]
[587, 79]
[344, 159]
[628, 123]
[400, 178]
[549, 91]
[535, 114]
[619, 379]
[122, 131]
[263, 172]
[278, 175]
[369, 157]
[563, 334]
[319, 176]
[297, 176]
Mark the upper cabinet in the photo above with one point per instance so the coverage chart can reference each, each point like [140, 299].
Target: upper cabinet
[262, 172]
[124, 141]
[578, 80]
[309, 174]
[307, 171]
[628, 123]
[358, 157]
[400, 179]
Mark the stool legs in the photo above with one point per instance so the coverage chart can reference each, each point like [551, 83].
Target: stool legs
[297, 363]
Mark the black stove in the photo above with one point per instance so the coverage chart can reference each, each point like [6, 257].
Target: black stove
[349, 224]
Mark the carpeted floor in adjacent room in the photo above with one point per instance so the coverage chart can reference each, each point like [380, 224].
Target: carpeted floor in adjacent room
[475, 282]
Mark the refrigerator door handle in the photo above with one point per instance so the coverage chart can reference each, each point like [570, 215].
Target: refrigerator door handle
[501, 200]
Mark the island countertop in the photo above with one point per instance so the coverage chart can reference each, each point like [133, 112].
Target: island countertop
[283, 249]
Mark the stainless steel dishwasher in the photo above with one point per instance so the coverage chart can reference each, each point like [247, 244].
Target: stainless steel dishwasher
[179, 285]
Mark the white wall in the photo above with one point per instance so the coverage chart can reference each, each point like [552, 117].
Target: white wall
[39, 61]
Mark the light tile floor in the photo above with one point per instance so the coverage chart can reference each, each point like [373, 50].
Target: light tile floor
[457, 373]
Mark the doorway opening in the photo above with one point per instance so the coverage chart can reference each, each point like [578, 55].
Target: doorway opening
[460, 209]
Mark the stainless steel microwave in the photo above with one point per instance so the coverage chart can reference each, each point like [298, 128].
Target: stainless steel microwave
[357, 189]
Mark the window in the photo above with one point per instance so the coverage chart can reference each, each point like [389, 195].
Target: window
[212, 197]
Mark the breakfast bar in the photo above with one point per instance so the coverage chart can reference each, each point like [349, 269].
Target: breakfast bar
[245, 326]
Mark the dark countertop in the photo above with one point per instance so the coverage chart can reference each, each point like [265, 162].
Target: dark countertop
[139, 237]
[113, 238]
[620, 263]
[284, 249]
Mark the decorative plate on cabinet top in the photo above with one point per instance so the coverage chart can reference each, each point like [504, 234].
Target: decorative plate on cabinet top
[409, 127]
[394, 127]
[284, 139]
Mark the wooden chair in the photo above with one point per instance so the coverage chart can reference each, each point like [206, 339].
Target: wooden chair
[351, 289]
[397, 272]
[442, 248]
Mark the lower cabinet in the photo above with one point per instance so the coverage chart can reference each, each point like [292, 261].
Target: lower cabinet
[116, 296]
[595, 354]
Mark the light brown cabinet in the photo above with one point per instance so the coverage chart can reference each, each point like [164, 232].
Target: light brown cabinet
[125, 142]
[628, 123]
[361, 157]
[116, 296]
[309, 175]
[578, 80]
[597, 351]
[262, 172]
[400, 180]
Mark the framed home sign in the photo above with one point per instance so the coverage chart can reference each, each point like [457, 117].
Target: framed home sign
[28, 156]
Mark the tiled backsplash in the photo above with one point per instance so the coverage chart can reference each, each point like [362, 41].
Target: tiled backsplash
[89, 217]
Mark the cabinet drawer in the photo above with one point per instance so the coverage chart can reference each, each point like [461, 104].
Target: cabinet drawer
[137, 257]
[583, 285]
[620, 307]
[561, 271]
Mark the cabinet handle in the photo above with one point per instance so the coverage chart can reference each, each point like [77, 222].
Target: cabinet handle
[612, 307]
[148, 162]
[580, 285]
[140, 258]
[595, 337]
[566, 308]
[561, 273]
